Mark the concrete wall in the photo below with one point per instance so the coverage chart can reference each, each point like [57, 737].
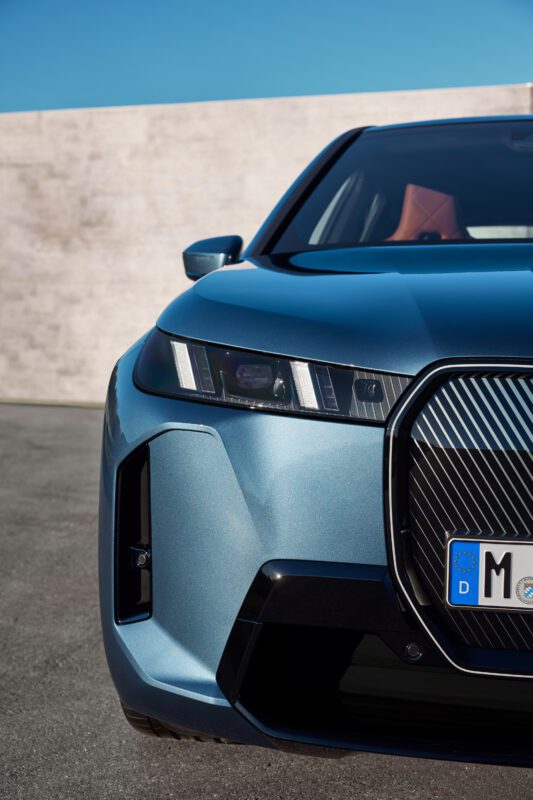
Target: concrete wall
[97, 204]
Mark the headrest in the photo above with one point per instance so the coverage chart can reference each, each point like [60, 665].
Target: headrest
[426, 212]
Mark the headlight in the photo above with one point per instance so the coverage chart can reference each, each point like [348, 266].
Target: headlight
[215, 374]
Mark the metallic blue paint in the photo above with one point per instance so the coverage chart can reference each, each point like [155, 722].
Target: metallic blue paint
[426, 304]
[233, 489]
[230, 490]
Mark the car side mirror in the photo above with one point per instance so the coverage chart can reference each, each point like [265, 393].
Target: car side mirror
[211, 254]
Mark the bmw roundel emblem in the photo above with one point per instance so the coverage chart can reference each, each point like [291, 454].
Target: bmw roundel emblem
[524, 590]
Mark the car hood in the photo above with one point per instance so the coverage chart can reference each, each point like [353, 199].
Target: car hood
[386, 308]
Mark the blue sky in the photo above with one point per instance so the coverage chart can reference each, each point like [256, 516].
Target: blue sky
[69, 53]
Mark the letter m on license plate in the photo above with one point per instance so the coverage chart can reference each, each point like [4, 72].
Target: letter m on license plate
[490, 574]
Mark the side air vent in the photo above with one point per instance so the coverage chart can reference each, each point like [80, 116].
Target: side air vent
[133, 573]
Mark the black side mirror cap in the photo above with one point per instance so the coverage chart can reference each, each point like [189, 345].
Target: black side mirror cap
[206, 256]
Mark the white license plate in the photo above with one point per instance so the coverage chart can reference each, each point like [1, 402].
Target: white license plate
[490, 574]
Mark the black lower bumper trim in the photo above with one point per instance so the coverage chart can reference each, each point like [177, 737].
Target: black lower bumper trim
[323, 655]
[350, 597]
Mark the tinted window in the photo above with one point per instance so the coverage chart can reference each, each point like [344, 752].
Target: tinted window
[466, 182]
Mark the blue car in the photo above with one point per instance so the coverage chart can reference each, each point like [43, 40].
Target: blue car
[316, 517]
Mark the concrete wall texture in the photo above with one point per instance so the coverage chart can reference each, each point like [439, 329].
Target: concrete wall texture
[97, 204]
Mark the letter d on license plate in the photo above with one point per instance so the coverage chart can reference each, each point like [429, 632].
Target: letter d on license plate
[490, 574]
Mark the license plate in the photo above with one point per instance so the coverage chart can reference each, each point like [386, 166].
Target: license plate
[490, 574]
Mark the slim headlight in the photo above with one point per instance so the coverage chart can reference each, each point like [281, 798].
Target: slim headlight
[211, 373]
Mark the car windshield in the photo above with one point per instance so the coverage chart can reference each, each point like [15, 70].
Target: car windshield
[461, 182]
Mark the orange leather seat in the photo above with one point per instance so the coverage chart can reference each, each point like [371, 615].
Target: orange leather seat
[426, 211]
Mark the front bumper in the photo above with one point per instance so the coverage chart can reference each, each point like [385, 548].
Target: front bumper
[323, 655]
[231, 492]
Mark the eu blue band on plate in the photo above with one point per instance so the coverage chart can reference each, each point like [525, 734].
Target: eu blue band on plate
[464, 573]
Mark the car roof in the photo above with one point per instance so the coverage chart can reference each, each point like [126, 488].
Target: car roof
[453, 121]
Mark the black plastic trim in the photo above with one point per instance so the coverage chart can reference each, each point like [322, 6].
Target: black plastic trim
[321, 595]
[133, 585]
[290, 646]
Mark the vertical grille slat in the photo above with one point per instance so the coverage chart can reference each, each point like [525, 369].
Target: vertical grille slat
[471, 469]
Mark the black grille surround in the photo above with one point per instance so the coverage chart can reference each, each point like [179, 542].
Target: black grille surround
[459, 462]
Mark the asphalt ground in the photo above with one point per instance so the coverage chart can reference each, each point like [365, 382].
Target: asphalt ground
[62, 733]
